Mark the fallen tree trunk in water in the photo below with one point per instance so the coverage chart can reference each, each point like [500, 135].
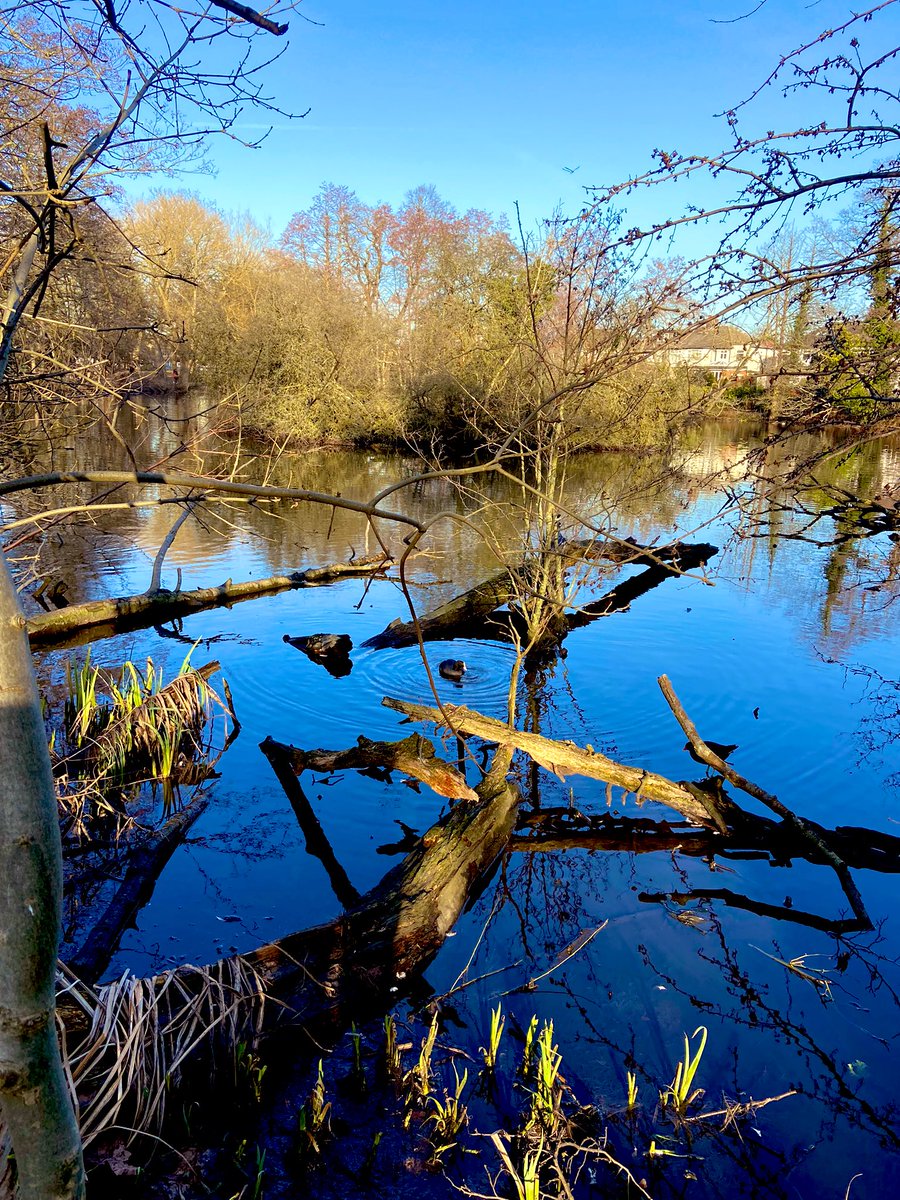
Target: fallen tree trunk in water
[104, 618]
[469, 614]
[414, 756]
[317, 980]
[565, 758]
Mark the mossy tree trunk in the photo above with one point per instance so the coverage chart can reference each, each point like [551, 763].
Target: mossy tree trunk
[34, 1098]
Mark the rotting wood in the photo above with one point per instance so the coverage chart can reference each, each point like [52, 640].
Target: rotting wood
[564, 758]
[468, 606]
[473, 612]
[144, 865]
[321, 978]
[103, 618]
[414, 756]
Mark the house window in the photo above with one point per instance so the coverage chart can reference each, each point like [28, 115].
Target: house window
[722, 355]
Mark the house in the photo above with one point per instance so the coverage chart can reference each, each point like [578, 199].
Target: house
[726, 352]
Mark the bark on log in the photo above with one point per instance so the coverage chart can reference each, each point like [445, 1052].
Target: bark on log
[454, 615]
[415, 756]
[325, 976]
[469, 614]
[563, 758]
[104, 618]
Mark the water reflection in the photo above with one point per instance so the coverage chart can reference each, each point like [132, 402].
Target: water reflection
[786, 654]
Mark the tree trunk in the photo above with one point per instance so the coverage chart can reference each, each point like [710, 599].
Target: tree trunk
[33, 1094]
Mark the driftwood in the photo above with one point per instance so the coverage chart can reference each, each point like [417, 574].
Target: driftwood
[323, 977]
[473, 613]
[103, 618]
[564, 758]
[145, 864]
[453, 616]
[415, 756]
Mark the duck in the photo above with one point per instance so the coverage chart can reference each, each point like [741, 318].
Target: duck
[452, 668]
[719, 748]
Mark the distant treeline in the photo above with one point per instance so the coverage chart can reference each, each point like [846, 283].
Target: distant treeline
[367, 324]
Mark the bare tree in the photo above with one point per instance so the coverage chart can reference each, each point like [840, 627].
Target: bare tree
[87, 91]
[796, 175]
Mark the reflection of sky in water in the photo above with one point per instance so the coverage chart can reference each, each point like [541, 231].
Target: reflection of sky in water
[760, 638]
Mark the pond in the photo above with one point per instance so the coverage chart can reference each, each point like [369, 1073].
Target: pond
[788, 648]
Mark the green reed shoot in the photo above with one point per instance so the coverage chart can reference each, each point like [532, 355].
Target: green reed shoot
[489, 1052]
[545, 1102]
[392, 1062]
[631, 1081]
[418, 1079]
[450, 1116]
[313, 1122]
[249, 1069]
[527, 1179]
[260, 1173]
[528, 1052]
[680, 1093]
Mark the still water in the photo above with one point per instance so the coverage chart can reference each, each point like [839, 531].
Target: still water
[788, 648]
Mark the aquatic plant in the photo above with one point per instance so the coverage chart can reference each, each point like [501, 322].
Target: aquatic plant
[526, 1177]
[547, 1096]
[631, 1081]
[449, 1117]
[249, 1071]
[418, 1080]
[393, 1064]
[489, 1052]
[313, 1121]
[679, 1094]
[528, 1051]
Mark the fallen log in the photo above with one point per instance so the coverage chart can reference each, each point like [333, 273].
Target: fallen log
[565, 758]
[316, 980]
[415, 756]
[104, 618]
[473, 613]
[454, 615]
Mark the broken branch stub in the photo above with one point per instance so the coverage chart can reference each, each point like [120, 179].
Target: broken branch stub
[414, 756]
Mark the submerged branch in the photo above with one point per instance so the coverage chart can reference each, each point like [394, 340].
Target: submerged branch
[708, 756]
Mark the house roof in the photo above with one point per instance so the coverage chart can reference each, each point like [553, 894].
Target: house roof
[715, 337]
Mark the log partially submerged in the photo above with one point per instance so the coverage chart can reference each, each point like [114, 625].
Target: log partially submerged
[474, 613]
[415, 756]
[103, 618]
[323, 977]
[565, 758]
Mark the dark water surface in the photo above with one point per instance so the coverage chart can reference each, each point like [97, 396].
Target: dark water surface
[787, 654]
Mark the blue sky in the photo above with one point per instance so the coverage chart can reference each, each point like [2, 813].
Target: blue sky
[491, 101]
